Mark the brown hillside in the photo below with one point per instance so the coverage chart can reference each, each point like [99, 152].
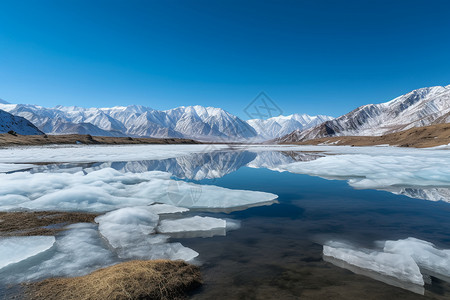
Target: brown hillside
[7, 139]
[420, 137]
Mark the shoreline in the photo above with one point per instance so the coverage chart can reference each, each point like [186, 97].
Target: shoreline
[8, 140]
[418, 137]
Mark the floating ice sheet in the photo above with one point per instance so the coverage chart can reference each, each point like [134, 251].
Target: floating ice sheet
[126, 226]
[16, 249]
[77, 251]
[96, 153]
[379, 171]
[130, 232]
[194, 227]
[389, 264]
[425, 254]
[107, 189]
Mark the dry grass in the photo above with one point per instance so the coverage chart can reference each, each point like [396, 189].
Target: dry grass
[421, 137]
[154, 279]
[31, 140]
[39, 223]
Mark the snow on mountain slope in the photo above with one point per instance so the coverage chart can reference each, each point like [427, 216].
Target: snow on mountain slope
[18, 124]
[422, 107]
[202, 123]
[282, 125]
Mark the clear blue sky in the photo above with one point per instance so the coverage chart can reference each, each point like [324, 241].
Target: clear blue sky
[315, 57]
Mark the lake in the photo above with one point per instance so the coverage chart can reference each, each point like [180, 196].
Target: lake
[271, 247]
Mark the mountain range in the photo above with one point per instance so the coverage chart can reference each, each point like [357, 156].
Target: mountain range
[195, 122]
[421, 107]
[283, 125]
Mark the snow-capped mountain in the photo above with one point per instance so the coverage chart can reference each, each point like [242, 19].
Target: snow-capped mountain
[20, 125]
[422, 107]
[279, 126]
[3, 101]
[197, 122]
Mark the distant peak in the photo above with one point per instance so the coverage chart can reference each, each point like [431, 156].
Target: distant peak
[4, 102]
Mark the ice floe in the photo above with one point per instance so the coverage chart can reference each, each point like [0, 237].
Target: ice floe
[98, 153]
[193, 227]
[77, 251]
[425, 254]
[107, 189]
[405, 260]
[398, 266]
[16, 249]
[130, 232]
[379, 171]
[127, 225]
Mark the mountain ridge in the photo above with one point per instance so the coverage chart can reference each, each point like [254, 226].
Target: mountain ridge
[420, 107]
[9, 122]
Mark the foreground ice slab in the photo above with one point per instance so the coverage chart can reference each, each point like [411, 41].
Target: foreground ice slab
[130, 232]
[107, 189]
[126, 226]
[434, 261]
[16, 249]
[398, 266]
[78, 251]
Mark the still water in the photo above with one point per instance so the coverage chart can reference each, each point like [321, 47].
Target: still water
[277, 251]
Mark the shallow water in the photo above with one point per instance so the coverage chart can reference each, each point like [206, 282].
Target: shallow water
[277, 251]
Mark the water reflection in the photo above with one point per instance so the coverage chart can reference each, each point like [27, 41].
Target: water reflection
[217, 164]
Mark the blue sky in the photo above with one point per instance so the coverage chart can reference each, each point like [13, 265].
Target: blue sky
[315, 57]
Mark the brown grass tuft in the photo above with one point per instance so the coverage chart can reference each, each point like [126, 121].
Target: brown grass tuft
[152, 279]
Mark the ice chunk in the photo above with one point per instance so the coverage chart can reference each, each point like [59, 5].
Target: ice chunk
[130, 232]
[389, 264]
[77, 251]
[426, 255]
[171, 251]
[166, 209]
[193, 227]
[16, 249]
[108, 189]
[126, 226]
